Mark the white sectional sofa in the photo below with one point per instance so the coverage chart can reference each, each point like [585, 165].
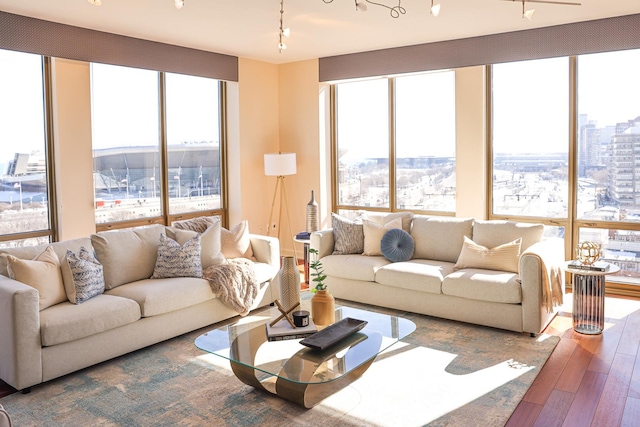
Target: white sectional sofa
[37, 345]
[430, 283]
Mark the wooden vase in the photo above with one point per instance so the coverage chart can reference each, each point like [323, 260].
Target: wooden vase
[323, 308]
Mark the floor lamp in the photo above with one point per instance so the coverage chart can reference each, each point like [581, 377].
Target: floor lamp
[280, 165]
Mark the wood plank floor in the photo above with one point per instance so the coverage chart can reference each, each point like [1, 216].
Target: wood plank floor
[588, 380]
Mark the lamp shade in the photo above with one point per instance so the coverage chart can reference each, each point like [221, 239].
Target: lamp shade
[280, 164]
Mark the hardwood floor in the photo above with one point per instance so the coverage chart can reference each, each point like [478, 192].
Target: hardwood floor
[589, 380]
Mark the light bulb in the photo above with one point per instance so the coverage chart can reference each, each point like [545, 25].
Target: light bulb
[361, 7]
[95, 2]
[282, 46]
[286, 32]
[179, 4]
[528, 14]
[435, 9]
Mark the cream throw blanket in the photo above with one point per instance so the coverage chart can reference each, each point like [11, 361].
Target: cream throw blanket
[235, 283]
[552, 282]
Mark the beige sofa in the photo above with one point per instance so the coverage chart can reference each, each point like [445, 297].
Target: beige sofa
[133, 312]
[430, 282]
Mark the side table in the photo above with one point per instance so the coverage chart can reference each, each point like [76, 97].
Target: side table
[306, 243]
[588, 298]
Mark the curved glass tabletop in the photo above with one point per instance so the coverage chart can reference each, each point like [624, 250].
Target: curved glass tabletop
[245, 342]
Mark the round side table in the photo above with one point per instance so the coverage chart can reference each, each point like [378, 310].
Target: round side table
[588, 298]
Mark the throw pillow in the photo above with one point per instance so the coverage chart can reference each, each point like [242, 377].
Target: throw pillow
[397, 245]
[210, 242]
[42, 273]
[502, 258]
[236, 243]
[83, 275]
[348, 236]
[373, 233]
[383, 218]
[175, 260]
[199, 224]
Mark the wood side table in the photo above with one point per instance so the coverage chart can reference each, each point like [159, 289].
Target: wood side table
[588, 298]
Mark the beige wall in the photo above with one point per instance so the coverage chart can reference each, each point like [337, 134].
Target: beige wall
[73, 154]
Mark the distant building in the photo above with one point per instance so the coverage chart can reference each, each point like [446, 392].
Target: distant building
[624, 164]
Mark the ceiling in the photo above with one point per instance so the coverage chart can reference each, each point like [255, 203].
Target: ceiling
[249, 28]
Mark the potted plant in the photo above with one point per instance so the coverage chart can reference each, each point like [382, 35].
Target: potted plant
[322, 303]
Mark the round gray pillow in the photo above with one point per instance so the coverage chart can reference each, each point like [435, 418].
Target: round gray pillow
[397, 245]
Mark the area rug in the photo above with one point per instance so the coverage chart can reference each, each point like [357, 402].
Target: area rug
[446, 373]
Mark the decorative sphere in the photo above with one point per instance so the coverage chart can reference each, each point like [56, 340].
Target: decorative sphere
[587, 252]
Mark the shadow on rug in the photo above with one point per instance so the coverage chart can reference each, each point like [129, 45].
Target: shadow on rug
[444, 374]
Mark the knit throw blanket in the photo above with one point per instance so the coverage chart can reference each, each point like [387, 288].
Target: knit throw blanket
[235, 283]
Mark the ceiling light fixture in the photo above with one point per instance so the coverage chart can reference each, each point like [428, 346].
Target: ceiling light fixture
[284, 32]
[435, 9]
[394, 11]
[360, 6]
[95, 2]
[179, 4]
[528, 13]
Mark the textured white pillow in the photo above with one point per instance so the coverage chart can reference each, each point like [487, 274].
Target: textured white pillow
[373, 233]
[236, 243]
[83, 275]
[383, 218]
[175, 260]
[42, 273]
[502, 258]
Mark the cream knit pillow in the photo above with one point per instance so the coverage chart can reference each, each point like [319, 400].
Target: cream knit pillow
[502, 258]
[373, 233]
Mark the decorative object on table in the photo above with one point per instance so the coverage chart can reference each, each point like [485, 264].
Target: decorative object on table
[303, 235]
[301, 318]
[596, 266]
[284, 314]
[322, 304]
[289, 278]
[283, 331]
[280, 165]
[334, 333]
[587, 252]
[313, 220]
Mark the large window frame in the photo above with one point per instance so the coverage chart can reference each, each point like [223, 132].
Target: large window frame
[166, 217]
[49, 234]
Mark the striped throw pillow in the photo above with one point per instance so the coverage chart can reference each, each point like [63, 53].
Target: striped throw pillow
[175, 260]
[502, 258]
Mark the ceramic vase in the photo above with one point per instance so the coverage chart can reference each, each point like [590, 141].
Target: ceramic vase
[289, 277]
[323, 308]
[313, 223]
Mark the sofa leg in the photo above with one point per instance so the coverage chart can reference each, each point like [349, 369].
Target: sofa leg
[26, 390]
[532, 334]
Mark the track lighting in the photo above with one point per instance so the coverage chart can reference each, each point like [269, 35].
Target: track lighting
[284, 32]
[435, 9]
[95, 2]
[179, 4]
[360, 6]
[528, 13]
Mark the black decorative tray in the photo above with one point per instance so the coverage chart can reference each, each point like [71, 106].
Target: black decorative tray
[333, 333]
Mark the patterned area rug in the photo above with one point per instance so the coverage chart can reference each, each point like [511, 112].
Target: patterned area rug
[445, 374]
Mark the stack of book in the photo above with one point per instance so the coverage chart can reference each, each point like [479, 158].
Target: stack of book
[284, 331]
[596, 266]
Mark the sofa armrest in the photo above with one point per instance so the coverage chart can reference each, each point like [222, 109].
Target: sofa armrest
[20, 346]
[266, 249]
[322, 241]
[542, 259]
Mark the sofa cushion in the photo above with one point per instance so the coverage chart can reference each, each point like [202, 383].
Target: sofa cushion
[397, 245]
[416, 275]
[373, 233]
[483, 285]
[159, 296]
[41, 273]
[210, 243]
[383, 218]
[82, 274]
[356, 267]
[497, 232]
[127, 255]
[236, 243]
[348, 236]
[68, 322]
[175, 260]
[439, 238]
[502, 258]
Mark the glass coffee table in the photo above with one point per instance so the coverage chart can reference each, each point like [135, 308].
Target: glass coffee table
[297, 373]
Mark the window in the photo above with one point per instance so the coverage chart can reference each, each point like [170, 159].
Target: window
[24, 192]
[411, 169]
[130, 176]
[608, 166]
[530, 138]
[193, 137]
[425, 142]
[127, 171]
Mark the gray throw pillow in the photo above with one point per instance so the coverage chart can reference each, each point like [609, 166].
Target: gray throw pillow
[86, 275]
[175, 260]
[348, 236]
